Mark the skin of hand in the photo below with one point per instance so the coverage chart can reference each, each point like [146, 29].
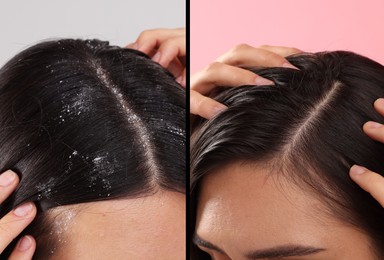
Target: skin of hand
[228, 71]
[368, 180]
[166, 47]
[13, 223]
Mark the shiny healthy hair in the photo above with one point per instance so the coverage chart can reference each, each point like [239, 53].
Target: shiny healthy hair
[309, 127]
[83, 121]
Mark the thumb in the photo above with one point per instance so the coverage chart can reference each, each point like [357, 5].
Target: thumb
[369, 181]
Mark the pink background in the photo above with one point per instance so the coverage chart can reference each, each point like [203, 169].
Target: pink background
[310, 25]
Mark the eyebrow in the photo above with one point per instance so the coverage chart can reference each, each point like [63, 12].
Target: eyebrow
[269, 253]
[284, 251]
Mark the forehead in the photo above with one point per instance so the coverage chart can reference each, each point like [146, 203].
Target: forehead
[139, 228]
[244, 207]
[241, 197]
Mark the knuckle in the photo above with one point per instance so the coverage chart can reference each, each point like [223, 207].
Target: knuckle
[147, 34]
[279, 60]
[143, 35]
[6, 229]
[234, 55]
[169, 44]
[211, 68]
[240, 47]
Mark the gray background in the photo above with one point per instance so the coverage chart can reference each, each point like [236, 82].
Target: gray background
[26, 22]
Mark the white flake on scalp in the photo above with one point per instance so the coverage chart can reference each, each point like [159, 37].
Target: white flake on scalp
[102, 168]
[176, 130]
[133, 118]
[45, 189]
[61, 225]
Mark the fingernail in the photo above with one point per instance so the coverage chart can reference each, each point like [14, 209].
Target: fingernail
[7, 178]
[262, 81]
[218, 109]
[289, 65]
[23, 210]
[355, 169]
[380, 102]
[156, 57]
[24, 244]
[373, 125]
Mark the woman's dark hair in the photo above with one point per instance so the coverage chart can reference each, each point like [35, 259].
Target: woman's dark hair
[83, 121]
[309, 127]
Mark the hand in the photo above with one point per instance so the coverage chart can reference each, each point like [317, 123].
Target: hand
[227, 71]
[13, 223]
[370, 181]
[166, 47]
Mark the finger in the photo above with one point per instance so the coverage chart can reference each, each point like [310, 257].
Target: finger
[24, 249]
[151, 39]
[247, 56]
[369, 181]
[8, 183]
[12, 224]
[219, 74]
[282, 51]
[182, 79]
[374, 130]
[204, 106]
[379, 106]
[150, 53]
[176, 68]
[132, 45]
[170, 49]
